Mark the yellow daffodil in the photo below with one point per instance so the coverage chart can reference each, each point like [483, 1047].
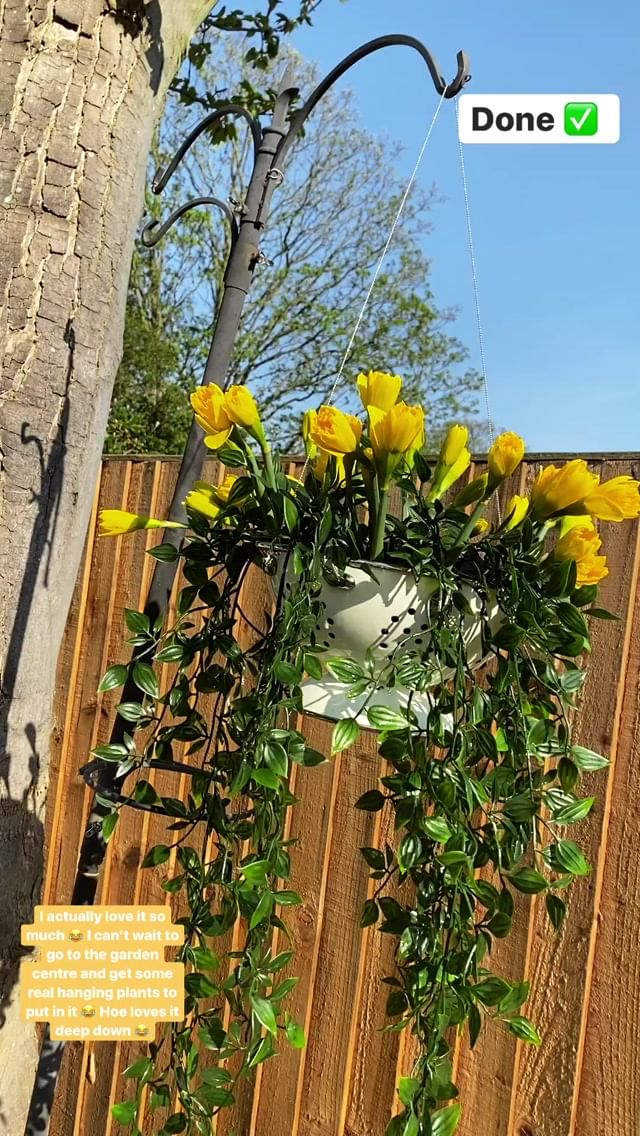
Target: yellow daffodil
[591, 570]
[568, 523]
[320, 463]
[505, 456]
[221, 492]
[117, 522]
[208, 499]
[454, 445]
[446, 476]
[560, 490]
[473, 492]
[379, 389]
[517, 510]
[202, 499]
[309, 422]
[208, 403]
[335, 432]
[481, 527]
[242, 409]
[580, 542]
[395, 434]
[615, 500]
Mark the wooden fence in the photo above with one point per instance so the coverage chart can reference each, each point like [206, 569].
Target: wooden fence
[585, 1078]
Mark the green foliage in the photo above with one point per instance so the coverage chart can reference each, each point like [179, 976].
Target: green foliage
[264, 31]
[480, 797]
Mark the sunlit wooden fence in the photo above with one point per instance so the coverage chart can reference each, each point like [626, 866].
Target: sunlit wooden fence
[584, 1080]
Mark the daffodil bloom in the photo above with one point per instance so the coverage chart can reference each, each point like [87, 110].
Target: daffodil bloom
[202, 499]
[335, 432]
[481, 527]
[379, 389]
[208, 499]
[567, 523]
[117, 522]
[517, 510]
[242, 409]
[208, 403]
[505, 456]
[591, 570]
[615, 500]
[562, 490]
[473, 492]
[221, 492]
[395, 434]
[580, 542]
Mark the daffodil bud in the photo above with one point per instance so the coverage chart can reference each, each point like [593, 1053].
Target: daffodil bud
[117, 522]
[379, 389]
[517, 510]
[505, 456]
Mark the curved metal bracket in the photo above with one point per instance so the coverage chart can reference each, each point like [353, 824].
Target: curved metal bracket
[234, 109]
[449, 90]
[154, 231]
[92, 774]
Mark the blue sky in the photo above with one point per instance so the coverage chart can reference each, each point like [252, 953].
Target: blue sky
[556, 228]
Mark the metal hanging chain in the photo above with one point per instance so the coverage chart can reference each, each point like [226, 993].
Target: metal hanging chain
[474, 274]
[383, 254]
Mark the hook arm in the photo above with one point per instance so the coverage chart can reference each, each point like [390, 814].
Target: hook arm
[449, 90]
[154, 231]
[235, 109]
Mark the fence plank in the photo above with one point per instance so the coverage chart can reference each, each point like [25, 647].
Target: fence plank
[328, 1060]
[485, 1074]
[120, 875]
[608, 1096]
[560, 965]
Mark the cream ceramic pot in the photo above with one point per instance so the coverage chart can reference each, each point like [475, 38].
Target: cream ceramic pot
[378, 619]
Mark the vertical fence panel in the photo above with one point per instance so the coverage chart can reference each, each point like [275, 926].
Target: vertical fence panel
[585, 996]
[561, 966]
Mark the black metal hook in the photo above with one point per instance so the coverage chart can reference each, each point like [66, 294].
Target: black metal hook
[449, 90]
[234, 109]
[93, 775]
[154, 231]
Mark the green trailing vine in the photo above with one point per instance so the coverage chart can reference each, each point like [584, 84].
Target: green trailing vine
[483, 791]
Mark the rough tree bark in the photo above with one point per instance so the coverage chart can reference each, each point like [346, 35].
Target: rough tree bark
[81, 85]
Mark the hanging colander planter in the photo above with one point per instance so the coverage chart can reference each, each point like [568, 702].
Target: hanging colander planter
[382, 615]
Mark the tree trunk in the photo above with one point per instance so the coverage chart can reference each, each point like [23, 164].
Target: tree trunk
[81, 85]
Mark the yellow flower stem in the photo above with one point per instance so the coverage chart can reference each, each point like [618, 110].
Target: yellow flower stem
[373, 495]
[377, 540]
[270, 475]
[253, 466]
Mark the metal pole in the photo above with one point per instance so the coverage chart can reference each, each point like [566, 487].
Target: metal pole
[239, 274]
